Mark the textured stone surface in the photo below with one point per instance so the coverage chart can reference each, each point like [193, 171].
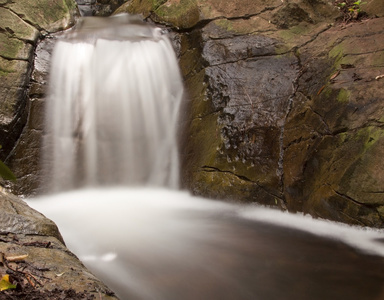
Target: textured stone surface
[22, 23]
[89, 8]
[25, 159]
[284, 108]
[333, 135]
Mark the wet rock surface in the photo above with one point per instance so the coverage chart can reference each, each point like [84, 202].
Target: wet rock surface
[104, 8]
[25, 160]
[22, 23]
[285, 103]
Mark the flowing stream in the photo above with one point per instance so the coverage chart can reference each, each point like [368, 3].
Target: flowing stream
[113, 163]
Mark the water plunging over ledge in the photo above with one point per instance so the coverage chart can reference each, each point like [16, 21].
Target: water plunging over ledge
[115, 92]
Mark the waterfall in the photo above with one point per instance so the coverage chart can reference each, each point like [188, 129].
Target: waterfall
[112, 114]
[112, 118]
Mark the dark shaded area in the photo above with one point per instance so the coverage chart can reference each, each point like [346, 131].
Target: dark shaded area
[30, 293]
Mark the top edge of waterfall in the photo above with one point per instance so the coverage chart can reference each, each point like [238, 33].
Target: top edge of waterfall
[119, 27]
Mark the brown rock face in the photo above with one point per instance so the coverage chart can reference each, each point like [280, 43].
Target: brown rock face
[333, 134]
[21, 24]
[285, 105]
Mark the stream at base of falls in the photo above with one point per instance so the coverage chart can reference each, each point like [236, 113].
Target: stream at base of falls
[112, 118]
[163, 244]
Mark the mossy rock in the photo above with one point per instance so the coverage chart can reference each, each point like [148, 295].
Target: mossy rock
[15, 26]
[181, 14]
[22, 23]
[48, 15]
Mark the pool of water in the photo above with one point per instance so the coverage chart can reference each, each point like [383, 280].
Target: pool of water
[163, 244]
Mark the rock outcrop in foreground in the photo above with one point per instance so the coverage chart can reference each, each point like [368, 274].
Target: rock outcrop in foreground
[285, 103]
[33, 252]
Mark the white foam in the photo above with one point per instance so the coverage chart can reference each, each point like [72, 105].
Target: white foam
[362, 238]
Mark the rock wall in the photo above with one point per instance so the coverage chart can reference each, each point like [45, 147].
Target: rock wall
[22, 24]
[284, 103]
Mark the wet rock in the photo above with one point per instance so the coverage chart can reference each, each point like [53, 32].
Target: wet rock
[22, 23]
[333, 135]
[25, 159]
[283, 105]
[104, 8]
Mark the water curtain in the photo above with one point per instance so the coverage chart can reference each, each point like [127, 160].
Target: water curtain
[112, 114]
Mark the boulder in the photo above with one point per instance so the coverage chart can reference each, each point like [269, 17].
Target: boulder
[34, 254]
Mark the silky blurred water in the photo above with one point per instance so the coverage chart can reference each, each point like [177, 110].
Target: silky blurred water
[112, 112]
[163, 244]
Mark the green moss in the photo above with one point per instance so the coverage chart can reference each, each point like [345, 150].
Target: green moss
[336, 52]
[184, 14]
[225, 24]
[343, 95]
[370, 135]
[206, 138]
[144, 7]
[326, 93]
[12, 23]
[378, 59]
[347, 60]
[293, 32]
[13, 48]
[51, 15]
[157, 3]
[69, 4]
[281, 49]
[373, 137]
[4, 72]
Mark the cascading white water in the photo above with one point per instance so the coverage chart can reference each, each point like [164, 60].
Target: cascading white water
[115, 92]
